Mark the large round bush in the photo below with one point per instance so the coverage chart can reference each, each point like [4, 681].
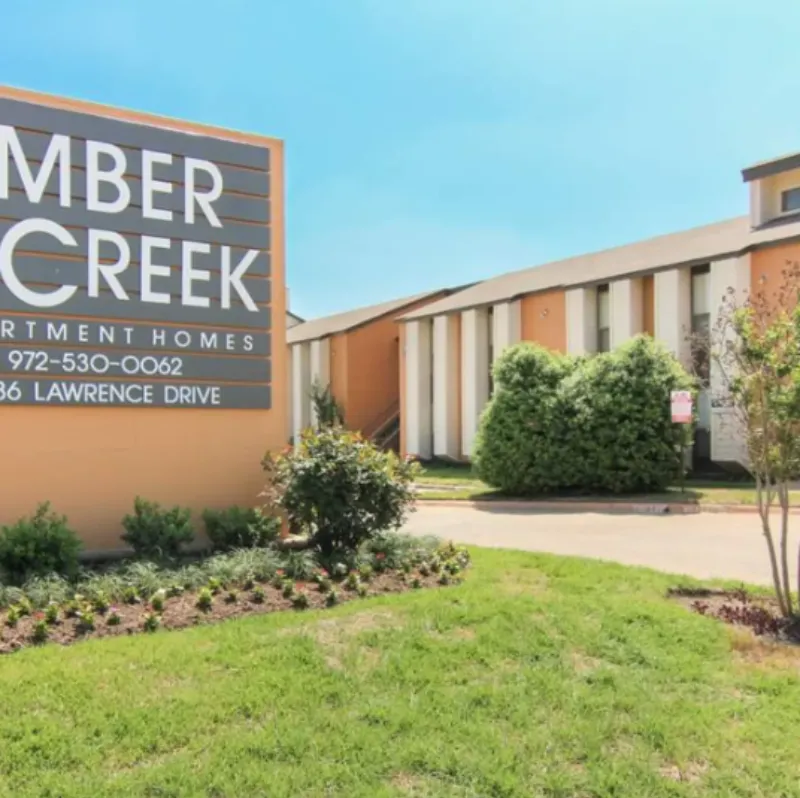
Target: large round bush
[339, 489]
[598, 423]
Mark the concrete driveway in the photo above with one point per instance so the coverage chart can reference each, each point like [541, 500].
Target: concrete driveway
[704, 545]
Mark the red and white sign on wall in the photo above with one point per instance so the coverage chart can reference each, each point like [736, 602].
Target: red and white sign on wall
[681, 405]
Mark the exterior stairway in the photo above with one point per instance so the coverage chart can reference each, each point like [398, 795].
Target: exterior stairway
[385, 433]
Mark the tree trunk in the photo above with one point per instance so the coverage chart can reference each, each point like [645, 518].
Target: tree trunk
[783, 498]
[763, 511]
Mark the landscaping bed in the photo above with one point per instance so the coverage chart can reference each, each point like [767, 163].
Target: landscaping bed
[143, 597]
[739, 607]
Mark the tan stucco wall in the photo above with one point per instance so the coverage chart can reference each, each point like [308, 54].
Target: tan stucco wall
[91, 463]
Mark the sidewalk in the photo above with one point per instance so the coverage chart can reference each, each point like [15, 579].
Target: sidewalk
[703, 545]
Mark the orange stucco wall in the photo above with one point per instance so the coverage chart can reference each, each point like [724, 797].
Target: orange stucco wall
[91, 463]
[338, 369]
[544, 319]
[767, 267]
[373, 374]
[648, 305]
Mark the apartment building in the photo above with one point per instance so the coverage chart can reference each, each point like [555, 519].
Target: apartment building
[669, 287]
[357, 355]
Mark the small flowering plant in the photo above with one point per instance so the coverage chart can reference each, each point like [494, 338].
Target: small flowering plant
[151, 621]
[51, 613]
[158, 600]
[12, 616]
[100, 602]
[24, 606]
[279, 579]
[205, 599]
[113, 618]
[41, 630]
[258, 595]
[300, 600]
[130, 596]
[86, 619]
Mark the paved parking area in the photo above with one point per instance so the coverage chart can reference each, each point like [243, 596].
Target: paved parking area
[704, 545]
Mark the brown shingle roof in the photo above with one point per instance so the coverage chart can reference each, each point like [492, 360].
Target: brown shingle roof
[713, 241]
[341, 322]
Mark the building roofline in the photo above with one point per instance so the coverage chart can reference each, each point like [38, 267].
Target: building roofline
[774, 166]
[351, 320]
[727, 239]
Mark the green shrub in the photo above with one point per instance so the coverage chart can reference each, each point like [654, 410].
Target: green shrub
[38, 546]
[340, 488]
[595, 424]
[40, 631]
[240, 528]
[155, 533]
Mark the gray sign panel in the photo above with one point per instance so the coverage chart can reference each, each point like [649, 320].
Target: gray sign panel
[46, 244]
[129, 134]
[97, 363]
[110, 393]
[244, 181]
[57, 271]
[31, 330]
[252, 236]
[229, 206]
[107, 306]
[104, 350]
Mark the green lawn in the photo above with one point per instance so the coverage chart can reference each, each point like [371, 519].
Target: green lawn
[440, 481]
[540, 676]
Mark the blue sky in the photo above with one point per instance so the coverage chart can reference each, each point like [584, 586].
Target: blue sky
[437, 142]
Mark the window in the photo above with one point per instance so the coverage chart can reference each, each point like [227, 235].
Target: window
[603, 319]
[701, 321]
[790, 200]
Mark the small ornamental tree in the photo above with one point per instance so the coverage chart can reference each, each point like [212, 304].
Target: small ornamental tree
[754, 351]
[327, 410]
[338, 489]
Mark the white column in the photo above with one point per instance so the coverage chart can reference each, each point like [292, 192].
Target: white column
[417, 411]
[474, 373]
[320, 369]
[727, 438]
[672, 291]
[445, 387]
[627, 310]
[301, 385]
[507, 327]
[581, 321]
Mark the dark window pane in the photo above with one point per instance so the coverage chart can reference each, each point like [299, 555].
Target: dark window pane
[604, 339]
[701, 340]
[790, 200]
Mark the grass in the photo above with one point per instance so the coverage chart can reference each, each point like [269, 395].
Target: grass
[541, 676]
[442, 481]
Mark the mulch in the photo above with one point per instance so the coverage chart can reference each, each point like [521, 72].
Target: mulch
[182, 611]
[740, 608]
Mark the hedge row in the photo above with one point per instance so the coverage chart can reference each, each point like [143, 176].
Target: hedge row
[583, 424]
[46, 544]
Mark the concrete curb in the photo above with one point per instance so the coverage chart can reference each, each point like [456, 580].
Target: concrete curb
[641, 508]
